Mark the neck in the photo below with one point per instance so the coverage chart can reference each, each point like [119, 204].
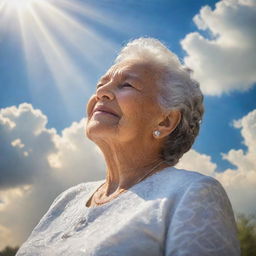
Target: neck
[126, 164]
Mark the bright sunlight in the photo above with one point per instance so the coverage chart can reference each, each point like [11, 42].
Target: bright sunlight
[19, 4]
[49, 33]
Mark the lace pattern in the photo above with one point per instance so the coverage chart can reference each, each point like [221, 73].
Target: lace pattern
[173, 212]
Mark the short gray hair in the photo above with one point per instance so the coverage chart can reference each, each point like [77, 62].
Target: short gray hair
[178, 91]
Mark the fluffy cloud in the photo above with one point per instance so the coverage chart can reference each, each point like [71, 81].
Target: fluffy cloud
[195, 161]
[240, 183]
[25, 143]
[226, 60]
[54, 162]
[36, 164]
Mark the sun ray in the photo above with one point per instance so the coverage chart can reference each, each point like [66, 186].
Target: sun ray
[35, 39]
[2, 4]
[64, 23]
[57, 42]
[95, 15]
[60, 64]
[85, 10]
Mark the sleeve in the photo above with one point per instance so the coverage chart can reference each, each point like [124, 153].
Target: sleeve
[203, 223]
[55, 210]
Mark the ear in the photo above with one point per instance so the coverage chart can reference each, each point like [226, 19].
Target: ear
[170, 122]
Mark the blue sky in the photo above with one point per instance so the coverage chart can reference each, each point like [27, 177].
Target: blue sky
[52, 54]
[168, 21]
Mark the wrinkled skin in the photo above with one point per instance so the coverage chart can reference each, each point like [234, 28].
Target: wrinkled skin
[129, 91]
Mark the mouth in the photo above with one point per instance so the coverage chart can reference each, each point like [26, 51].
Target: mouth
[104, 111]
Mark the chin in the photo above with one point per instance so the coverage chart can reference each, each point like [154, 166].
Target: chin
[96, 130]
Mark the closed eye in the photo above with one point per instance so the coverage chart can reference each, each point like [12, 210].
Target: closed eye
[126, 85]
[121, 85]
[98, 86]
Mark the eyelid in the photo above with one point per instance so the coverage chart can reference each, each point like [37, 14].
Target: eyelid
[98, 85]
[122, 85]
[126, 83]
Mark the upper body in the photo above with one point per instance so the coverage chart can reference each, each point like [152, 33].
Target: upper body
[173, 212]
[144, 115]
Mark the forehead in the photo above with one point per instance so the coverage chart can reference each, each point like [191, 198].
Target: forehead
[135, 69]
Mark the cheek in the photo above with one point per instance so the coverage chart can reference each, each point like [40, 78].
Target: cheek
[144, 112]
[135, 111]
[130, 104]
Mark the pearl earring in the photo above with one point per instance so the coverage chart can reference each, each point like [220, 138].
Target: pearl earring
[157, 133]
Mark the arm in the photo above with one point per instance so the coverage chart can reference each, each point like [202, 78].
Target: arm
[203, 223]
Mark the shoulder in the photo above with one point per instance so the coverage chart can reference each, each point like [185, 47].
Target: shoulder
[182, 175]
[201, 187]
[194, 181]
[67, 198]
[188, 192]
[70, 198]
[179, 182]
[194, 189]
[203, 218]
[205, 192]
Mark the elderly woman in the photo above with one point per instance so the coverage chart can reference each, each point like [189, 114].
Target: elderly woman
[144, 115]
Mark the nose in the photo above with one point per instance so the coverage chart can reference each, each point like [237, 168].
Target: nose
[104, 92]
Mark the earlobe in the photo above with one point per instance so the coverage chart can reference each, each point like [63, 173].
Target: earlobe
[156, 133]
[169, 124]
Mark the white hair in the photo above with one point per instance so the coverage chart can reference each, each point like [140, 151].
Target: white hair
[178, 91]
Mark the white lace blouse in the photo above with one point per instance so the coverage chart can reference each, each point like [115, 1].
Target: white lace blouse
[173, 212]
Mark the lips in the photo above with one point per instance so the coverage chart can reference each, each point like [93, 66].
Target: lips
[105, 109]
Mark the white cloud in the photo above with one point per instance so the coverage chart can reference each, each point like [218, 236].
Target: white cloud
[24, 145]
[194, 161]
[240, 182]
[76, 155]
[56, 162]
[28, 180]
[17, 143]
[226, 61]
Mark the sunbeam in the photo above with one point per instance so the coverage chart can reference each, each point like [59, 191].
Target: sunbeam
[64, 23]
[2, 5]
[21, 4]
[56, 44]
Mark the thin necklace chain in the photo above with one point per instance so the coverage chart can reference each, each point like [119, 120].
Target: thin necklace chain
[122, 190]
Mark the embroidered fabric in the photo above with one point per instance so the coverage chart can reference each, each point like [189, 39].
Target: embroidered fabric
[171, 213]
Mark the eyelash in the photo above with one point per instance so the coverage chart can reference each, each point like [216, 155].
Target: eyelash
[121, 85]
[126, 84]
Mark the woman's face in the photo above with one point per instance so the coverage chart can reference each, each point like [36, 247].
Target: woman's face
[125, 106]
